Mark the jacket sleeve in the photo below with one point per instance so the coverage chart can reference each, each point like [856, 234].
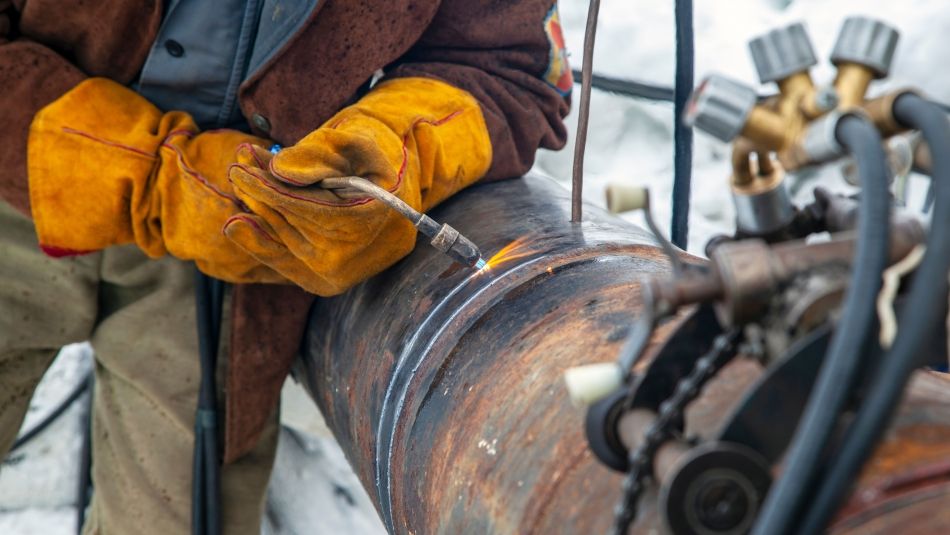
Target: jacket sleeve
[31, 76]
[510, 55]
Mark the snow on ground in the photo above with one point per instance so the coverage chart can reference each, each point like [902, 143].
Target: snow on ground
[38, 482]
[630, 141]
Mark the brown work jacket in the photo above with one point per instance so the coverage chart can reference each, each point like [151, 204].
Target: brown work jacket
[507, 53]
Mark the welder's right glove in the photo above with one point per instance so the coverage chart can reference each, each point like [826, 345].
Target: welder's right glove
[106, 167]
[419, 138]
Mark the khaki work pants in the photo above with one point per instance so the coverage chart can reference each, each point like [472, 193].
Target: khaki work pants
[139, 315]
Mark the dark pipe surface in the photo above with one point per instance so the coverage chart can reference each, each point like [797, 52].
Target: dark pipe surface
[444, 385]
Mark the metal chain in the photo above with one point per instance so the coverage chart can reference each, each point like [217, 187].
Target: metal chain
[670, 411]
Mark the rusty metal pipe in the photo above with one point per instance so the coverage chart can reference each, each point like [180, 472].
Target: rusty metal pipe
[443, 386]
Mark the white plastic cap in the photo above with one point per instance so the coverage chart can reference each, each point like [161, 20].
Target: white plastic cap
[624, 198]
[592, 382]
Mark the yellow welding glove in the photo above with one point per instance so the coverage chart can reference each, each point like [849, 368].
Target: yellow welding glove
[421, 139]
[106, 167]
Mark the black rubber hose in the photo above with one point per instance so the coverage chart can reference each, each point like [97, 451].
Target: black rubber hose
[84, 485]
[918, 319]
[54, 415]
[656, 92]
[206, 494]
[836, 379]
[682, 134]
[630, 88]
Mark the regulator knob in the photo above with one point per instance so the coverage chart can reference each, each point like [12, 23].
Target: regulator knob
[866, 42]
[720, 107]
[782, 52]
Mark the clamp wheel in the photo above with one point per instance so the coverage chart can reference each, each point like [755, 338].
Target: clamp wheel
[600, 427]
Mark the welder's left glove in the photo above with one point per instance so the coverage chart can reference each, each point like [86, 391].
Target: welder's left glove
[419, 138]
[106, 167]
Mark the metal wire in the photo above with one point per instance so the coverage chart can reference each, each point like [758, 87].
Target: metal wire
[583, 114]
[354, 186]
[24, 439]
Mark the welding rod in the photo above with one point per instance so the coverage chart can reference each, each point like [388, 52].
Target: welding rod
[444, 237]
[583, 116]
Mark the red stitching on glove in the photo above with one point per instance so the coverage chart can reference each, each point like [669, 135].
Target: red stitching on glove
[400, 175]
[87, 135]
[288, 180]
[247, 219]
[186, 133]
[405, 141]
[339, 122]
[250, 148]
[268, 184]
[197, 176]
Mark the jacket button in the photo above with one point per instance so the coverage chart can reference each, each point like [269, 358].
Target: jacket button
[260, 122]
[174, 48]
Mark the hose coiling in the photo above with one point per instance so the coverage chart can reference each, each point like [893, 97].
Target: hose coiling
[837, 376]
[918, 319]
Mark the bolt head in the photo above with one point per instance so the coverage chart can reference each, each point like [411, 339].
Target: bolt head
[826, 98]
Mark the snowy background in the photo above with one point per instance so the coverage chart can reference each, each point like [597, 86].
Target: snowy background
[630, 142]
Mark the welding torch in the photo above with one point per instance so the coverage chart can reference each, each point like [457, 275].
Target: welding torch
[445, 238]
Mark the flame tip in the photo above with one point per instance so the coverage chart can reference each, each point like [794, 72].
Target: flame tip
[513, 251]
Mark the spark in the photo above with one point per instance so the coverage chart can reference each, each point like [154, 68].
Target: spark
[513, 251]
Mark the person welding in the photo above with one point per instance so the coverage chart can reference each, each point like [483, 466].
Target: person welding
[139, 139]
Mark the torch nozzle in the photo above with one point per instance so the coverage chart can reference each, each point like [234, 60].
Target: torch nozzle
[448, 240]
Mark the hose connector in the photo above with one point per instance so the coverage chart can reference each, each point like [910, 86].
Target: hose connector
[817, 144]
[762, 202]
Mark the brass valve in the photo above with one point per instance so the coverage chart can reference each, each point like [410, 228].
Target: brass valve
[759, 195]
[797, 124]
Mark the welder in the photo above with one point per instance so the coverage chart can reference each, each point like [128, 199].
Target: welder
[136, 142]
